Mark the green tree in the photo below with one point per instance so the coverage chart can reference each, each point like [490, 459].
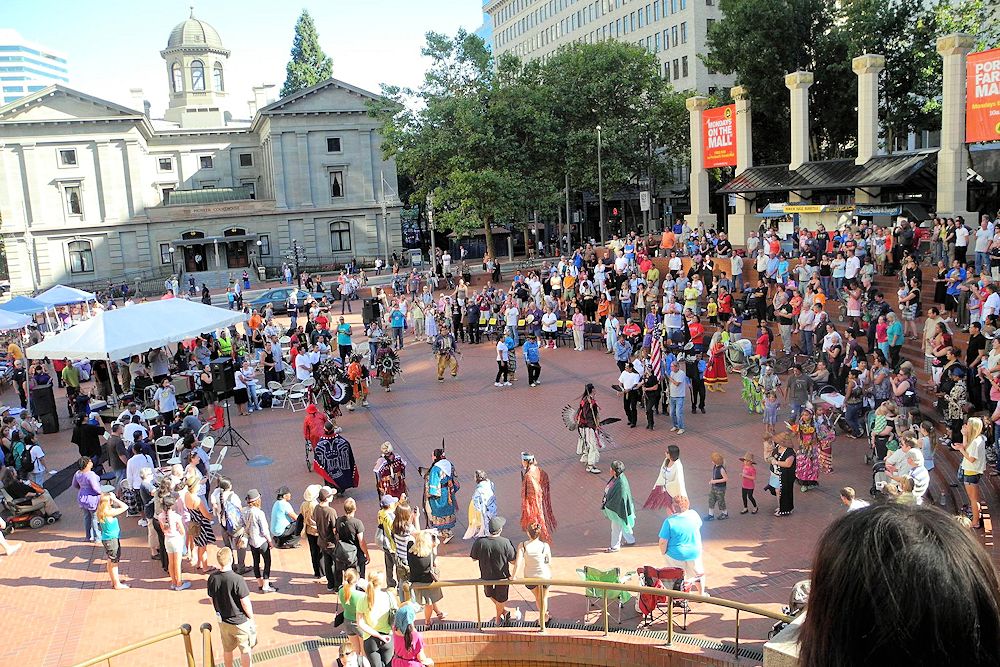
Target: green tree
[979, 18]
[309, 65]
[761, 40]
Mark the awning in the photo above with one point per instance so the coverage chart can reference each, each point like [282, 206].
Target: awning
[215, 239]
[122, 332]
[878, 210]
[773, 211]
[24, 305]
[209, 195]
[10, 321]
[915, 169]
[61, 295]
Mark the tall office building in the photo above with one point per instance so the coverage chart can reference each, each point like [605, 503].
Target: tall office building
[485, 31]
[676, 31]
[27, 67]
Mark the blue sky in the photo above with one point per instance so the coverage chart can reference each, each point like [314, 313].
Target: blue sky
[114, 45]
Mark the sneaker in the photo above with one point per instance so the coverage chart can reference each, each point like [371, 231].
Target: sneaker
[673, 429]
[143, 523]
[723, 516]
[183, 587]
[594, 470]
[680, 431]
[709, 517]
[497, 384]
[506, 384]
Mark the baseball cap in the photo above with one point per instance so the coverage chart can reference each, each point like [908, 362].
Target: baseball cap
[497, 524]
[388, 500]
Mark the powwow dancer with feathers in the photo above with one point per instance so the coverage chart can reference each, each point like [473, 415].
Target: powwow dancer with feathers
[387, 363]
[584, 418]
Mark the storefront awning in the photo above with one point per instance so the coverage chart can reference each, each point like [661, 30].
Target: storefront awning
[916, 169]
[215, 239]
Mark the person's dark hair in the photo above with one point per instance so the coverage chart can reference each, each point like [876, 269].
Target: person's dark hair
[903, 585]
[82, 463]
[136, 419]
[675, 452]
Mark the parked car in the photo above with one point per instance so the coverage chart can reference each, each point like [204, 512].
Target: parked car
[278, 298]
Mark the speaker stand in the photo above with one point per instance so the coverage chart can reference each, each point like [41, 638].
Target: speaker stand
[235, 439]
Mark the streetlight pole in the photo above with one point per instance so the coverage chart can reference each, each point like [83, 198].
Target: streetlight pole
[600, 185]
[295, 257]
[430, 222]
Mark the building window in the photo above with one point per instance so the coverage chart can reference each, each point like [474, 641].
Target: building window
[666, 70]
[336, 184]
[197, 75]
[165, 256]
[673, 6]
[206, 161]
[177, 78]
[67, 157]
[677, 69]
[709, 2]
[684, 32]
[208, 186]
[333, 145]
[251, 188]
[165, 164]
[265, 244]
[709, 23]
[684, 5]
[656, 10]
[684, 66]
[217, 82]
[246, 159]
[657, 42]
[73, 197]
[666, 39]
[81, 257]
[340, 236]
[165, 194]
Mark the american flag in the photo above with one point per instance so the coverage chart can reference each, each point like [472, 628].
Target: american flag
[656, 355]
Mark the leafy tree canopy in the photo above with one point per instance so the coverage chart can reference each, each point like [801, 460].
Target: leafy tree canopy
[309, 65]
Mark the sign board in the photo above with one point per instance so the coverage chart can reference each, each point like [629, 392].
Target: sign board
[876, 210]
[644, 200]
[718, 136]
[982, 103]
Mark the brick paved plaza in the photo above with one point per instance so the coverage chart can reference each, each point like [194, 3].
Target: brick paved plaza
[59, 604]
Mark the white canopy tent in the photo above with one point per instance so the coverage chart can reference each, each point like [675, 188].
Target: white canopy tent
[10, 321]
[61, 295]
[120, 333]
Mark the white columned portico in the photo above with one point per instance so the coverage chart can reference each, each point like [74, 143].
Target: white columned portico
[867, 67]
[699, 216]
[953, 156]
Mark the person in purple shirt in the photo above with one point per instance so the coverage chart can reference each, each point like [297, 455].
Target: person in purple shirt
[88, 485]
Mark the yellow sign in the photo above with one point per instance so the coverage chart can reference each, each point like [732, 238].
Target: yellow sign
[817, 208]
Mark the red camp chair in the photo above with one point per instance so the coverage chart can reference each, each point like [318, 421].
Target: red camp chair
[654, 607]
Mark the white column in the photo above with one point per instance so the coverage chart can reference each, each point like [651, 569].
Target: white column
[305, 174]
[278, 171]
[698, 180]
[952, 191]
[798, 84]
[742, 219]
[867, 67]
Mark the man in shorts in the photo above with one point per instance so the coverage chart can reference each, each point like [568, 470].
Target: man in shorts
[495, 555]
[680, 543]
[231, 599]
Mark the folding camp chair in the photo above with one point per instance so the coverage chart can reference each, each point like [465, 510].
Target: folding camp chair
[596, 595]
[654, 608]
[164, 448]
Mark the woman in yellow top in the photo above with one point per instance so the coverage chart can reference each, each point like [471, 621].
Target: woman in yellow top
[374, 619]
[351, 599]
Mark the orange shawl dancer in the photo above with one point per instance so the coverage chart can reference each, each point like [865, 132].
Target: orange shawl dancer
[536, 503]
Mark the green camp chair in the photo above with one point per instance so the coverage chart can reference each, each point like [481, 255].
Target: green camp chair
[595, 595]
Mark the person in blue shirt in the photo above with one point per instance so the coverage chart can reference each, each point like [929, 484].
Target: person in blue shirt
[623, 352]
[286, 526]
[680, 542]
[956, 277]
[782, 269]
[398, 323]
[532, 360]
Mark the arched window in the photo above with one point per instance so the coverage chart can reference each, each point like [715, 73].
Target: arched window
[177, 78]
[340, 236]
[217, 82]
[81, 257]
[197, 75]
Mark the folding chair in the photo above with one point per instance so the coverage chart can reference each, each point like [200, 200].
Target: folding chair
[278, 393]
[596, 595]
[285, 343]
[149, 414]
[215, 469]
[208, 444]
[164, 448]
[297, 394]
[654, 608]
[202, 431]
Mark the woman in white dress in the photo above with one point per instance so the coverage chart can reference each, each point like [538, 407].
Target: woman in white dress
[669, 483]
[482, 507]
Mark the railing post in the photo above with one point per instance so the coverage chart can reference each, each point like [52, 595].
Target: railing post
[737, 634]
[479, 615]
[188, 648]
[606, 632]
[207, 652]
[670, 621]
[542, 610]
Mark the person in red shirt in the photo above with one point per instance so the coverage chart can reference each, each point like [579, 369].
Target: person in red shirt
[774, 246]
[725, 306]
[763, 347]
[697, 332]
[321, 320]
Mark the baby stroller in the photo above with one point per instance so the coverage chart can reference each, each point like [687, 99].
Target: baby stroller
[879, 480]
[797, 601]
[23, 512]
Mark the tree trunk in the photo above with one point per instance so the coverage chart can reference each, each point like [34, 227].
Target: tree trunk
[490, 248]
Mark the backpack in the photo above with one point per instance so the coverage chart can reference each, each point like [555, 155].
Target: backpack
[232, 518]
[345, 554]
[21, 459]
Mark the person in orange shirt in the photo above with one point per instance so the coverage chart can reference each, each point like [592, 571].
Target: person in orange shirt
[256, 321]
[667, 242]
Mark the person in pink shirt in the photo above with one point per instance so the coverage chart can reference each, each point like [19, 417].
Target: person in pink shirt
[579, 322]
[749, 477]
[408, 647]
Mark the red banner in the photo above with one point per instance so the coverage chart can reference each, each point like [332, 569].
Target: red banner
[982, 103]
[718, 136]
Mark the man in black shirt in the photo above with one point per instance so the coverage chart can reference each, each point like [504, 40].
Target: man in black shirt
[495, 555]
[975, 353]
[352, 531]
[326, 534]
[20, 380]
[231, 599]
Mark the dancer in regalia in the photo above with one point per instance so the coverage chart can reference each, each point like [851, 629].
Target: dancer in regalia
[536, 500]
[482, 507]
[442, 492]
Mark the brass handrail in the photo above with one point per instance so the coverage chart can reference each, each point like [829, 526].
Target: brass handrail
[605, 587]
[184, 630]
[207, 652]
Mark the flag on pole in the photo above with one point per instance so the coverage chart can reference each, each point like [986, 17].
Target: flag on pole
[656, 356]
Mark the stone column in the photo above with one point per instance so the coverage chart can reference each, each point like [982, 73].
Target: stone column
[798, 83]
[867, 67]
[278, 171]
[953, 156]
[698, 179]
[742, 219]
[305, 186]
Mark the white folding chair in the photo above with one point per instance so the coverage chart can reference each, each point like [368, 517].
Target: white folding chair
[202, 431]
[208, 444]
[150, 415]
[278, 393]
[215, 469]
[164, 449]
[285, 343]
[297, 394]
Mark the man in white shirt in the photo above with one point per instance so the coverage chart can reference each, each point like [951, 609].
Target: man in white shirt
[131, 411]
[621, 263]
[753, 243]
[511, 317]
[992, 304]
[983, 238]
[736, 266]
[961, 242]
[847, 497]
[503, 358]
[629, 380]
[852, 267]
[129, 430]
[304, 364]
[675, 264]
[919, 474]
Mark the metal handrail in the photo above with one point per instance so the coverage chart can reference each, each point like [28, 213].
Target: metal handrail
[605, 587]
[184, 631]
[207, 652]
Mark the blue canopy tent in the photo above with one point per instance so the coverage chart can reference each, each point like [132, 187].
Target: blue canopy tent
[24, 305]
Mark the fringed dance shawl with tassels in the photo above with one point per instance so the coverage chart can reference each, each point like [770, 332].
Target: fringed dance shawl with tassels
[536, 502]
